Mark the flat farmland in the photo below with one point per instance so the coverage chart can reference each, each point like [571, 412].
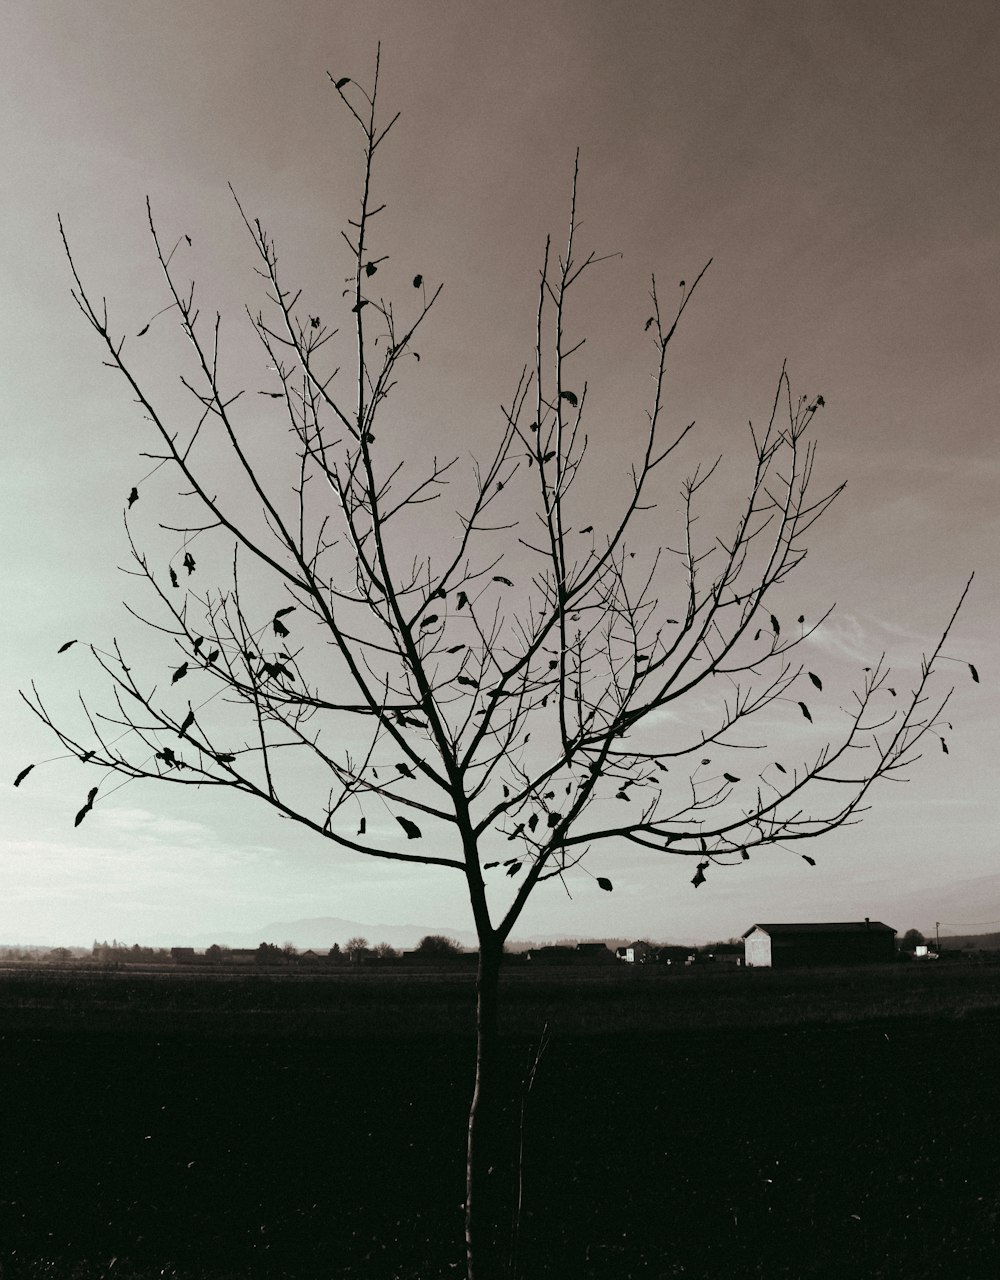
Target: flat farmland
[695, 1124]
[399, 1001]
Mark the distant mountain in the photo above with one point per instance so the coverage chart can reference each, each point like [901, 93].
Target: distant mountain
[971, 941]
[963, 906]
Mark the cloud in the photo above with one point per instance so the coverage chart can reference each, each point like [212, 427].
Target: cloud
[149, 827]
[845, 636]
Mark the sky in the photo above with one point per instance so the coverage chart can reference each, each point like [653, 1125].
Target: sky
[838, 164]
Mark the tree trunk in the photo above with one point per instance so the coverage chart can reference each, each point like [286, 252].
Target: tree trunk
[486, 1172]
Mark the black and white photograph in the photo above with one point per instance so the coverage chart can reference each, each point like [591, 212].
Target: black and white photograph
[501, 554]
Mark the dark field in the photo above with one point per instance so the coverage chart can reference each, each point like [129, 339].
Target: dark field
[703, 1125]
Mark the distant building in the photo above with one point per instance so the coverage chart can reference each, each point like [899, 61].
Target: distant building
[636, 953]
[787, 946]
[582, 953]
[421, 958]
[594, 953]
[550, 955]
[722, 955]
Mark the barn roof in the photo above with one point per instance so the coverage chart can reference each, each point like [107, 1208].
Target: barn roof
[838, 926]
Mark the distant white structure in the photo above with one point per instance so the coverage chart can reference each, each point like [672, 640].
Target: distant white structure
[635, 953]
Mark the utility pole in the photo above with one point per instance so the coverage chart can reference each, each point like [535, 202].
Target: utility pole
[937, 935]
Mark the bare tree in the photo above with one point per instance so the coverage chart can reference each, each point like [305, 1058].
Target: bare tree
[356, 948]
[520, 698]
